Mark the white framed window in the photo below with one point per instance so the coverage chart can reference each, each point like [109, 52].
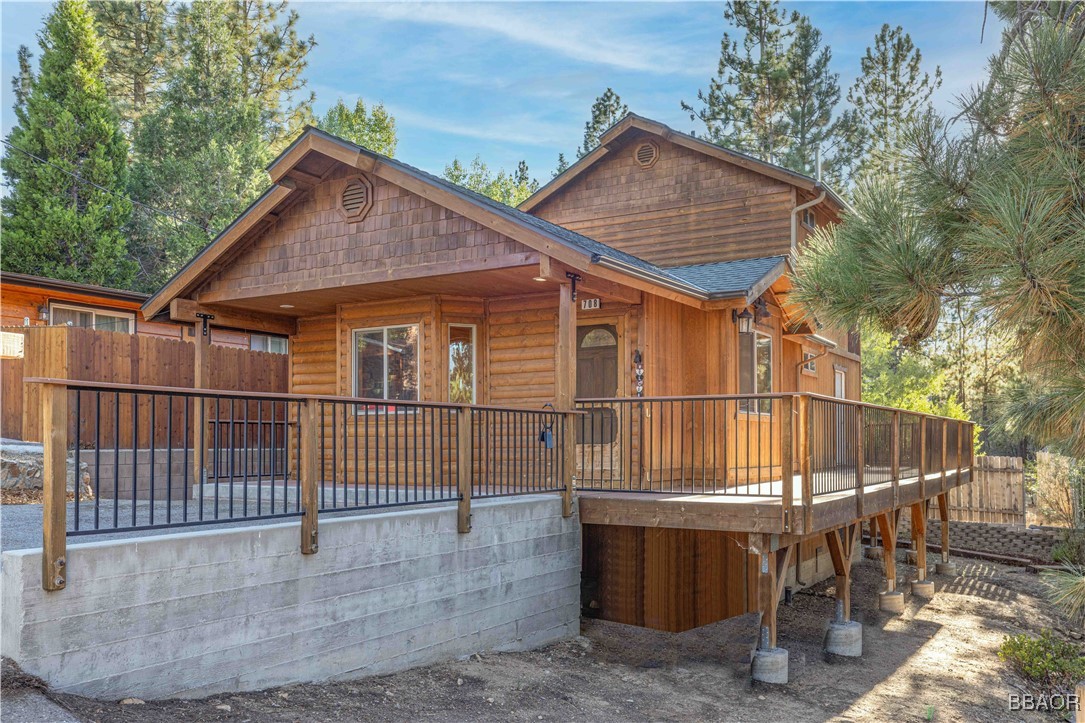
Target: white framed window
[386, 362]
[809, 219]
[462, 363]
[90, 318]
[809, 367]
[755, 368]
[266, 342]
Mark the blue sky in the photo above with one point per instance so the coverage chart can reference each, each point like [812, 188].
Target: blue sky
[517, 80]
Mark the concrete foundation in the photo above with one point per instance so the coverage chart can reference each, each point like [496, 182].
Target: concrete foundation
[891, 602]
[241, 609]
[873, 553]
[946, 568]
[844, 638]
[923, 588]
[770, 666]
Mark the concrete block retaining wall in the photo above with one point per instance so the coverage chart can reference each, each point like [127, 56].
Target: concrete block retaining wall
[1031, 543]
[193, 614]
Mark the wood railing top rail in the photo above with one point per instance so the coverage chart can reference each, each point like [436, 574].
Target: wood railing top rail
[775, 395]
[279, 396]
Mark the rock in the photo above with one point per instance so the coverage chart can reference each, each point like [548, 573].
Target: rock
[132, 701]
[21, 469]
[224, 707]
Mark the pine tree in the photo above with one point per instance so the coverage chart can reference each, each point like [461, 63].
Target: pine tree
[509, 189]
[891, 92]
[135, 36]
[562, 165]
[990, 209]
[200, 155]
[607, 110]
[53, 224]
[746, 105]
[374, 129]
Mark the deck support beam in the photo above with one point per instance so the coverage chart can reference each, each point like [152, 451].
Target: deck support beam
[891, 600]
[201, 379]
[945, 567]
[769, 573]
[54, 436]
[921, 586]
[844, 636]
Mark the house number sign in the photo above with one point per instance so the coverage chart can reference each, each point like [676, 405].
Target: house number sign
[589, 304]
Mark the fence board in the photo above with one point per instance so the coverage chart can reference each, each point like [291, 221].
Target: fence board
[115, 357]
[996, 493]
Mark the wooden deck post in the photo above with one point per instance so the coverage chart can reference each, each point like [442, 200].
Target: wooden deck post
[787, 474]
[894, 459]
[806, 426]
[888, 527]
[943, 513]
[770, 573]
[922, 457]
[309, 474]
[919, 538]
[54, 436]
[201, 342]
[565, 381]
[945, 428]
[860, 463]
[568, 463]
[464, 465]
[841, 548]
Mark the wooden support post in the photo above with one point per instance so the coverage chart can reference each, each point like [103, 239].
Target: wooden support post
[922, 457]
[841, 546]
[860, 463]
[766, 596]
[806, 427]
[201, 435]
[919, 538]
[464, 476]
[568, 463]
[943, 512]
[894, 457]
[945, 427]
[787, 474]
[565, 381]
[888, 527]
[309, 474]
[54, 436]
[960, 450]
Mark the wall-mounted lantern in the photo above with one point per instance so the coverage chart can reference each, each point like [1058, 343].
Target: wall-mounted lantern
[43, 312]
[638, 373]
[744, 320]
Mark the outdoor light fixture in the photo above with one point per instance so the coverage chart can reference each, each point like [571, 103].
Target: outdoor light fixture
[539, 278]
[43, 312]
[744, 320]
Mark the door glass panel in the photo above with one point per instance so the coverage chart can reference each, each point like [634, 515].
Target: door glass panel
[461, 364]
[403, 362]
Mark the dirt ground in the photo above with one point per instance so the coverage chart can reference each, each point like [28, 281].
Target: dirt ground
[936, 662]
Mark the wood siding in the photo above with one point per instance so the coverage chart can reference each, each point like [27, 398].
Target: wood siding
[688, 208]
[313, 247]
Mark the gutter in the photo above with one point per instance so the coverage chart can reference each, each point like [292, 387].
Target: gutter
[665, 281]
[794, 216]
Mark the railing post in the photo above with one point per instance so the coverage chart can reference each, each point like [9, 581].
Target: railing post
[894, 461]
[463, 467]
[806, 432]
[787, 474]
[309, 418]
[945, 428]
[922, 457]
[568, 462]
[960, 449]
[54, 436]
[860, 462]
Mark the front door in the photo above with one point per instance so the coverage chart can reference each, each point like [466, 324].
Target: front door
[597, 376]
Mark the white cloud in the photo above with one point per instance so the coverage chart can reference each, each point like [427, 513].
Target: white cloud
[524, 129]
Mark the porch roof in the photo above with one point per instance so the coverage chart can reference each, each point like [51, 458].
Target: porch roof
[742, 278]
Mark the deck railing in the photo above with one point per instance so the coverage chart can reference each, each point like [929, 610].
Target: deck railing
[143, 458]
[791, 447]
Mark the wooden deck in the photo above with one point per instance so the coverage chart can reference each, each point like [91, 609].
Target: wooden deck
[762, 511]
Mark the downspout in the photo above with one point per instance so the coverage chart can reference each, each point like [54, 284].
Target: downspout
[794, 219]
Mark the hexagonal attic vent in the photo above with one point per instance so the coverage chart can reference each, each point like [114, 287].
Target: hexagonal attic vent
[356, 198]
[646, 154]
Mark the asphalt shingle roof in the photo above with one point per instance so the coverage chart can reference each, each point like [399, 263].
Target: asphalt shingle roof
[729, 277]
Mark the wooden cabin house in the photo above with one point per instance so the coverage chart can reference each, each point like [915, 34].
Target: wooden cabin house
[646, 287]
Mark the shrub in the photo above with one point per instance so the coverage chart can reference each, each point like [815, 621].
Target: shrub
[1066, 590]
[1071, 549]
[1054, 665]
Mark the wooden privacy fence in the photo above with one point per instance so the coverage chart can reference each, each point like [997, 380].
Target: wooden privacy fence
[91, 355]
[997, 493]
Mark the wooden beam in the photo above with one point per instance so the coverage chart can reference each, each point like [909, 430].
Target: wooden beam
[888, 527]
[841, 545]
[464, 467]
[186, 309]
[54, 436]
[590, 284]
[201, 380]
[568, 461]
[565, 363]
[919, 538]
[309, 474]
[787, 474]
[943, 512]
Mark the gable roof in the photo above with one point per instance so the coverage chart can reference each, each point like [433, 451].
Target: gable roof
[532, 231]
[631, 122]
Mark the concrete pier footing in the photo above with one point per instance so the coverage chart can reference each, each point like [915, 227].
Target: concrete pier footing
[923, 588]
[946, 568]
[844, 638]
[770, 665]
[891, 602]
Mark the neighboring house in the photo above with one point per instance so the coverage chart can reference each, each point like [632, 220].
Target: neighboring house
[30, 301]
[394, 283]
